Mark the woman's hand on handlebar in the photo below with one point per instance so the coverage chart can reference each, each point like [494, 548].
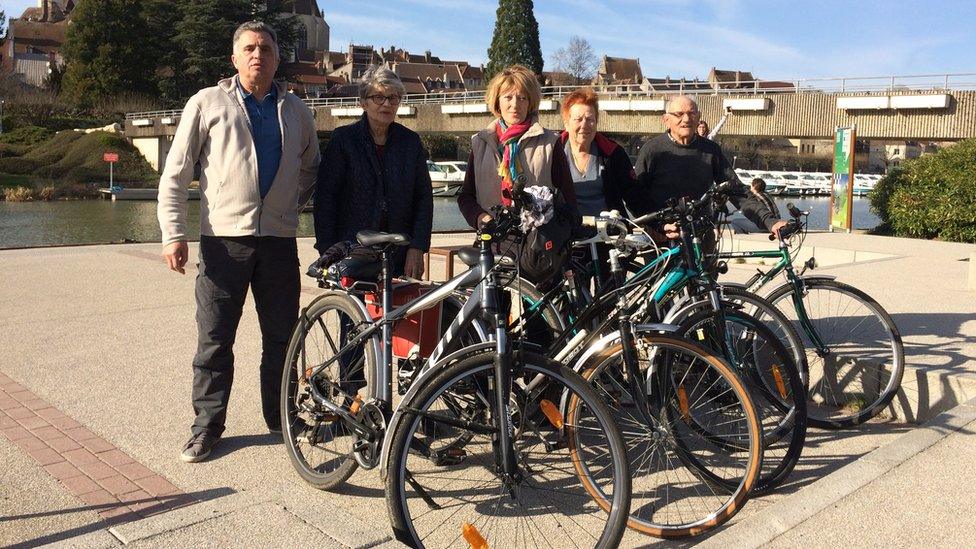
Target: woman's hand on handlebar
[671, 231]
[776, 228]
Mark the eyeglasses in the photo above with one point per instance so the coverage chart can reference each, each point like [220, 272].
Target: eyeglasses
[380, 99]
[690, 114]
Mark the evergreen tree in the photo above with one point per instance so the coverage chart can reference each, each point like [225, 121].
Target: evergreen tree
[516, 38]
[3, 25]
[105, 51]
[278, 14]
[161, 18]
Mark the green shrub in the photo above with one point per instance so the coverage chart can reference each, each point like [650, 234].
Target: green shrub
[934, 197]
[17, 165]
[82, 162]
[18, 194]
[880, 196]
[26, 135]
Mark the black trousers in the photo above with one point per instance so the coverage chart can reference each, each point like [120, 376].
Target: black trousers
[228, 267]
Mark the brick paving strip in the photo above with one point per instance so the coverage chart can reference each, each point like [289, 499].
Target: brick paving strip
[107, 479]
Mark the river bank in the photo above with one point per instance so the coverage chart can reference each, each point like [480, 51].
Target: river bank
[79, 222]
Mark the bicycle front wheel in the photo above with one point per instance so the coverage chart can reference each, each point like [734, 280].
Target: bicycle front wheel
[319, 443]
[854, 351]
[696, 452]
[439, 499]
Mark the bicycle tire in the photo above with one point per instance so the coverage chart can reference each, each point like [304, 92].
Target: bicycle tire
[773, 381]
[827, 407]
[308, 431]
[413, 500]
[699, 503]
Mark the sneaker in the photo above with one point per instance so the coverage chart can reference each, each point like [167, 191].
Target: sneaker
[198, 447]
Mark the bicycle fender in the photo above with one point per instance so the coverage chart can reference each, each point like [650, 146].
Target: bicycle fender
[422, 379]
[818, 277]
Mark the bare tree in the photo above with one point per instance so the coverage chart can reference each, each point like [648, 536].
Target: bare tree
[577, 59]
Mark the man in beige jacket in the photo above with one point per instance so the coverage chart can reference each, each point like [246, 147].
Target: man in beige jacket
[258, 154]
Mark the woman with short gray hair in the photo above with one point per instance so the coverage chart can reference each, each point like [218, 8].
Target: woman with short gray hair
[374, 176]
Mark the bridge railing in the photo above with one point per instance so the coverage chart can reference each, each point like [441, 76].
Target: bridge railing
[647, 89]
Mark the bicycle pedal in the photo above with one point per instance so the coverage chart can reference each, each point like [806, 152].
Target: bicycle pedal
[446, 458]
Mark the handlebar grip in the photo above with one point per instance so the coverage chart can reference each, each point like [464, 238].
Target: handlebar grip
[649, 218]
[589, 221]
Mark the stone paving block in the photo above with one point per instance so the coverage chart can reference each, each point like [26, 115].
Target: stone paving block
[16, 433]
[135, 471]
[19, 412]
[117, 485]
[79, 434]
[33, 422]
[47, 433]
[80, 456]
[99, 539]
[30, 443]
[63, 444]
[98, 497]
[7, 421]
[186, 516]
[156, 485]
[80, 485]
[22, 395]
[36, 405]
[64, 423]
[50, 413]
[9, 403]
[62, 470]
[115, 457]
[45, 456]
[98, 470]
[97, 445]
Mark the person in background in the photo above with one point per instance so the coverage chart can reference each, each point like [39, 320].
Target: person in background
[258, 152]
[702, 129]
[374, 177]
[758, 188]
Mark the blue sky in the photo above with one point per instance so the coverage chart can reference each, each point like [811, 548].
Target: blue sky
[774, 40]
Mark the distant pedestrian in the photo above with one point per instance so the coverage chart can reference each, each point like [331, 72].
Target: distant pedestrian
[258, 154]
[758, 187]
[702, 129]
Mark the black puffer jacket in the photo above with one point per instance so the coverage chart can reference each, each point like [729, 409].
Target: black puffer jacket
[620, 184]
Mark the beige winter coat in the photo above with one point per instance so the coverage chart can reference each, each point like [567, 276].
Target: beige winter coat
[215, 130]
[535, 152]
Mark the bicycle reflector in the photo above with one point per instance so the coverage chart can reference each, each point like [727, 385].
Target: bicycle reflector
[683, 403]
[552, 413]
[778, 378]
[473, 536]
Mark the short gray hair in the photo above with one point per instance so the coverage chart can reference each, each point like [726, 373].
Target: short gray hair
[257, 26]
[380, 77]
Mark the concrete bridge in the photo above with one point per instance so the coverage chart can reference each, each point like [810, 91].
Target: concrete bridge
[922, 108]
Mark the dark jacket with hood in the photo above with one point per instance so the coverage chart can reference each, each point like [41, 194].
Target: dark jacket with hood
[357, 190]
[620, 184]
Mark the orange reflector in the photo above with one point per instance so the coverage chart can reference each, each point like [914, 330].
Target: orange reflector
[354, 407]
[683, 403]
[552, 413]
[473, 536]
[778, 377]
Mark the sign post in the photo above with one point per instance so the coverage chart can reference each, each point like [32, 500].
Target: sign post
[842, 182]
[111, 158]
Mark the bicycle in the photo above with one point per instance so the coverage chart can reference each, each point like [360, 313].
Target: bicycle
[471, 414]
[853, 348]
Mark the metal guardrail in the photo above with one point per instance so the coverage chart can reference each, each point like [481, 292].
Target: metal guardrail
[876, 84]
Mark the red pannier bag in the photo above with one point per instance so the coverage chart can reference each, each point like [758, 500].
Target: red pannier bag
[416, 334]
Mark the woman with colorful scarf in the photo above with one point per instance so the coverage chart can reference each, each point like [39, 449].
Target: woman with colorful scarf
[513, 149]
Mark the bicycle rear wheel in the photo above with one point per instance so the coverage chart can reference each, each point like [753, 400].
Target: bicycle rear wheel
[318, 442]
[435, 502]
[773, 381]
[857, 370]
[696, 454]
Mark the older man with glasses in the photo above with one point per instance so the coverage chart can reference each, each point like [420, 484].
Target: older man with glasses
[679, 163]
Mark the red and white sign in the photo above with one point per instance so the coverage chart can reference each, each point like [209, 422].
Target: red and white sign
[110, 157]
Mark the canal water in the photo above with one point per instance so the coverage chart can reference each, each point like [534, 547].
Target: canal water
[29, 224]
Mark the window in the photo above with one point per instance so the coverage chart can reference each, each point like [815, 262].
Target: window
[302, 38]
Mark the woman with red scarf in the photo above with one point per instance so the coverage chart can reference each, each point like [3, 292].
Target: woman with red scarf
[513, 149]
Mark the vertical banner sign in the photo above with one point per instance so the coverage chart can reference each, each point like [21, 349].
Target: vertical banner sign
[842, 187]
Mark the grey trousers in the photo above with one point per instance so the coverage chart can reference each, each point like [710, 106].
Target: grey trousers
[228, 267]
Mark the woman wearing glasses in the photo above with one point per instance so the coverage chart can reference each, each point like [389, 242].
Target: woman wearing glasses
[514, 151]
[373, 176]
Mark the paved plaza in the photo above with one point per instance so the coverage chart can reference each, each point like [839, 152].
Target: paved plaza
[94, 408]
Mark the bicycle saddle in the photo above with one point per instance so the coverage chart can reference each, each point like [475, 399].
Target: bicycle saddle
[469, 255]
[373, 238]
